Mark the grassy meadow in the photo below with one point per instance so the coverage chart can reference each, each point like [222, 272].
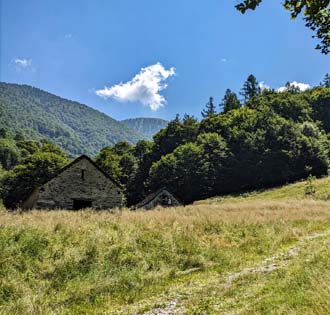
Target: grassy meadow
[261, 253]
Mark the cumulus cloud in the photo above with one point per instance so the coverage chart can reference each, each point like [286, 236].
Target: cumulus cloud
[23, 63]
[145, 87]
[302, 86]
[224, 60]
[263, 86]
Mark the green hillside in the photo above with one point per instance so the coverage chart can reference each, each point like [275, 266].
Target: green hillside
[292, 191]
[146, 126]
[75, 127]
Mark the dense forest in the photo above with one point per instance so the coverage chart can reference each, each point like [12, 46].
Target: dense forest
[146, 126]
[74, 127]
[266, 139]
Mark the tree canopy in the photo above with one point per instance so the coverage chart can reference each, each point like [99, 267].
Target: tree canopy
[35, 163]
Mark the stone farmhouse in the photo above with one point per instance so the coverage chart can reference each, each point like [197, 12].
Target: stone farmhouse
[81, 184]
[162, 197]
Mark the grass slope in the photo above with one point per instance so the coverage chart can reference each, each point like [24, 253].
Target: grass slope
[291, 191]
[258, 254]
[75, 127]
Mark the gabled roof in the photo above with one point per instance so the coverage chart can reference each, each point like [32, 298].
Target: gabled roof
[153, 195]
[85, 157]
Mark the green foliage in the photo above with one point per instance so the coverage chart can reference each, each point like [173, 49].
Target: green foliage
[250, 88]
[209, 109]
[230, 101]
[118, 161]
[193, 170]
[310, 189]
[326, 81]
[274, 139]
[292, 106]
[268, 149]
[320, 101]
[316, 15]
[9, 153]
[78, 129]
[3, 133]
[146, 126]
[176, 133]
[33, 171]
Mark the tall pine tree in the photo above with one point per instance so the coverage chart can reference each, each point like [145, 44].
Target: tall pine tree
[209, 109]
[230, 101]
[326, 81]
[250, 88]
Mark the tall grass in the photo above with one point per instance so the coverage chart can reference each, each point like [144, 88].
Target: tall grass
[61, 262]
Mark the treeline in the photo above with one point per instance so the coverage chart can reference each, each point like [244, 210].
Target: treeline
[266, 139]
[25, 165]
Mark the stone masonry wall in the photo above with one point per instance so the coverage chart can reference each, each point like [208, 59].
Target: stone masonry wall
[71, 184]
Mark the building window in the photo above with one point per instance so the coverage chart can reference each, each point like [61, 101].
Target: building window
[83, 174]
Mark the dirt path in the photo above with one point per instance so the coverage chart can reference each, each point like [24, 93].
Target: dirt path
[269, 264]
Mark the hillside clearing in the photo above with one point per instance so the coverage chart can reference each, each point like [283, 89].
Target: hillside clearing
[290, 191]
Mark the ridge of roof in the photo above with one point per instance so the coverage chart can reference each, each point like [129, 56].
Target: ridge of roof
[153, 195]
[79, 158]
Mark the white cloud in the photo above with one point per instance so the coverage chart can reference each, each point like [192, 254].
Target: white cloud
[23, 63]
[264, 86]
[224, 60]
[302, 86]
[144, 88]
[68, 36]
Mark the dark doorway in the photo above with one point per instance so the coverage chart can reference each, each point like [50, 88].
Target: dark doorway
[81, 204]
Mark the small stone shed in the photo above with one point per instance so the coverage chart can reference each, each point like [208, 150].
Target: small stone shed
[162, 197]
[81, 184]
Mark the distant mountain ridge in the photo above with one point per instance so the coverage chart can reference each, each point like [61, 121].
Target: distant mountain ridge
[146, 126]
[75, 127]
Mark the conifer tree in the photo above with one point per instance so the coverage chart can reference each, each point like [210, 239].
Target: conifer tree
[291, 88]
[209, 109]
[250, 88]
[230, 101]
[326, 81]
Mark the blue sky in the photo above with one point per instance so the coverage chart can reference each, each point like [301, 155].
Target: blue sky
[189, 50]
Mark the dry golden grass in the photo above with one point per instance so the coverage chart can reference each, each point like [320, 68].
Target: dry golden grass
[65, 262]
[226, 212]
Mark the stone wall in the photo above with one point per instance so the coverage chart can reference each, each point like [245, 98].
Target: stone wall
[80, 181]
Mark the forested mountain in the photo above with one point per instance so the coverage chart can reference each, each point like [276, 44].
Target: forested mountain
[146, 126]
[77, 128]
[270, 139]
